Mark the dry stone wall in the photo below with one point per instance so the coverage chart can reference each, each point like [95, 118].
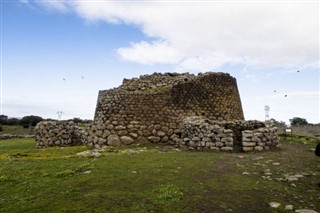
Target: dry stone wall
[205, 134]
[152, 107]
[200, 112]
[59, 133]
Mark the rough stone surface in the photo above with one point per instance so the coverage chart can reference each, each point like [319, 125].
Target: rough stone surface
[153, 106]
[114, 140]
[126, 140]
[305, 211]
[59, 133]
[200, 133]
[200, 112]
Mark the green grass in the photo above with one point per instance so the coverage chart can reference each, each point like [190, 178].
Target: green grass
[155, 179]
[15, 129]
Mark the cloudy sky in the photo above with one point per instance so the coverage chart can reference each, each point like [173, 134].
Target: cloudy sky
[56, 55]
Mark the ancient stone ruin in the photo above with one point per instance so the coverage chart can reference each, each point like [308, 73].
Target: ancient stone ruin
[197, 111]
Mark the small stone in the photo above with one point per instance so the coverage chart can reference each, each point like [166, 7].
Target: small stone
[87, 172]
[134, 172]
[134, 135]
[258, 148]
[245, 173]
[142, 140]
[305, 211]
[95, 154]
[276, 164]
[274, 205]
[120, 127]
[288, 207]
[161, 134]
[154, 139]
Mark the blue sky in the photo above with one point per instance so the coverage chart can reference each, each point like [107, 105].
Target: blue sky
[93, 45]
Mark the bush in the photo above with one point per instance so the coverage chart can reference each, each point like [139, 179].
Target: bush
[26, 126]
[296, 121]
[1, 129]
[30, 120]
[3, 119]
[12, 121]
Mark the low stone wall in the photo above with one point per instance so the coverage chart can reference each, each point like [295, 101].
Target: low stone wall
[204, 134]
[59, 133]
[195, 133]
[259, 139]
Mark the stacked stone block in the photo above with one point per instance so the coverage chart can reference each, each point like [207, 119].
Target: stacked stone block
[259, 139]
[59, 133]
[152, 107]
[204, 134]
[201, 134]
[199, 112]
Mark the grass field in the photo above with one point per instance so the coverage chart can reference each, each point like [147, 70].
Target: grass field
[15, 129]
[156, 179]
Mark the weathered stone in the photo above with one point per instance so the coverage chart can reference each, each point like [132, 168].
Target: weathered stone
[102, 141]
[226, 148]
[247, 149]
[120, 127]
[142, 140]
[134, 135]
[126, 140]
[258, 148]
[165, 139]
[161, 134]
[122, 132]
[114, 140]
[154, 139]
[305, 211]
[157, 127]
[252, 144]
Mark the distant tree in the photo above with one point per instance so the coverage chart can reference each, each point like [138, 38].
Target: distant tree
[277, 123]
[77, 120]
[12, 121]
[3, 119]
[296, 121]
[30, 120]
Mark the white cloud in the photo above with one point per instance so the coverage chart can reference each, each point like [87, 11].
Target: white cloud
[197, 35]
[61, 6]
[150, 53]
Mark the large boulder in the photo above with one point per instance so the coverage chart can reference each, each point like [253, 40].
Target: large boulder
[126, 140]
[114, 140]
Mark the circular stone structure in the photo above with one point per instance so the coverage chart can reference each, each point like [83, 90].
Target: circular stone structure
[151, 108]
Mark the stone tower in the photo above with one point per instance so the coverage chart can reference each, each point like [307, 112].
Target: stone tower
[152, 107]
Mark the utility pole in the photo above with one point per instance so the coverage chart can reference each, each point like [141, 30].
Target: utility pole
[59, 114]
[266, 109]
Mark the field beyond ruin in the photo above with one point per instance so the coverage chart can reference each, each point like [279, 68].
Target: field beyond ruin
[156, 178]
